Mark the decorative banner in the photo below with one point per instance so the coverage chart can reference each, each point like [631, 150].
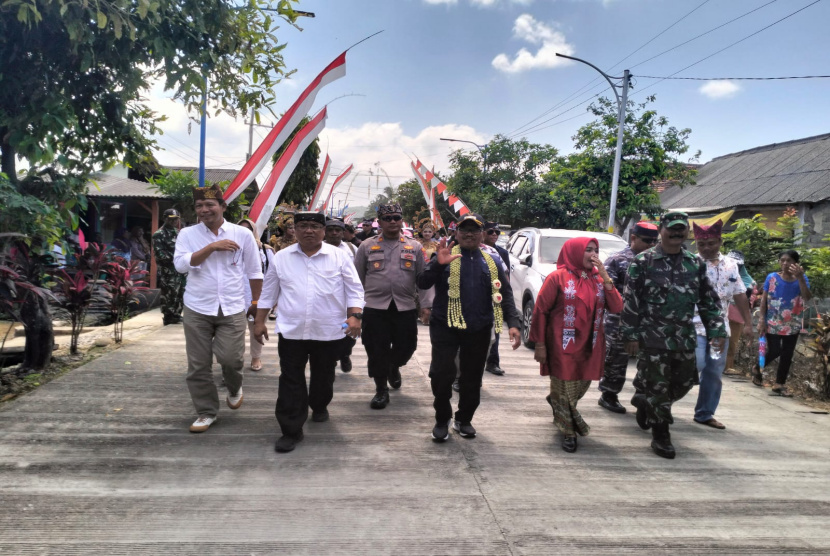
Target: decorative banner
[337, 182]
[434, 213]
[264, 203]
[425, 190]
[324, 176]
[456, 204]
[285, 126]
[348, 218]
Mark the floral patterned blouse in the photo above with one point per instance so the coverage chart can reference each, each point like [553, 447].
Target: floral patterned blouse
[784, 305]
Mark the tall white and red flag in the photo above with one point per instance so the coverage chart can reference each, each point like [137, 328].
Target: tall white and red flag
[423, 184]
[433, 211]
[265, 202]
[285, 126]
[337, 182]
[324, 176]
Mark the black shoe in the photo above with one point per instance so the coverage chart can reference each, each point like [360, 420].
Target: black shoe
[661, 441]
[320, 416]
[455, 386]
[381, 399]
[346, 364]
[287, 443]
[494, 369]
[440, 432]
[610, 402]
[466, 430]
[395, 377]
[642, 418]
[569, 444]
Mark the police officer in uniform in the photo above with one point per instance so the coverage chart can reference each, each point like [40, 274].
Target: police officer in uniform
[171, 283]
[388, 265]
[663, 286]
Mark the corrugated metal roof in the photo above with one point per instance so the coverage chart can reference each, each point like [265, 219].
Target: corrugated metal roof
[113, 186]
[212, 175]
[778, 174]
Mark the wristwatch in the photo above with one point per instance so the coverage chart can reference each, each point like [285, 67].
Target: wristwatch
[358, 316]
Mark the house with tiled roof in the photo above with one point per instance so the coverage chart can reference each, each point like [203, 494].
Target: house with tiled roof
[764, 180]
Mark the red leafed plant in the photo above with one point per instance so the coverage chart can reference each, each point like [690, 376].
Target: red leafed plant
[75, 293]
[123, 289]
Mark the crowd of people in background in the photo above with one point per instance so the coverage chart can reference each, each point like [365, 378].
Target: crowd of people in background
[326, 284]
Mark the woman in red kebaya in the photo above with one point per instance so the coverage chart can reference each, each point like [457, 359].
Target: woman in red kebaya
[568, 329]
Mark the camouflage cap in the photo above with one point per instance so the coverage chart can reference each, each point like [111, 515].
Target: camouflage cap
[674, 218]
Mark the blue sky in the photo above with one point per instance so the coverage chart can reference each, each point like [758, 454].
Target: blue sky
[471, 69]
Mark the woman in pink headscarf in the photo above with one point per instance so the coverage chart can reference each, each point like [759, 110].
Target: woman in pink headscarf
[568, 327]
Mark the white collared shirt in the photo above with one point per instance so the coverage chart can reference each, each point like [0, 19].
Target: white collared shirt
[218, 281]
[727, 283]
[350, 251]
[312, 293]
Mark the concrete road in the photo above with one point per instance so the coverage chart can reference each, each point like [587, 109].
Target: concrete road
[100, 461]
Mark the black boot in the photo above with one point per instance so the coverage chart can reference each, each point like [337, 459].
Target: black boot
[381, 399]
[395, 377]
[661, 441]
[609, 401]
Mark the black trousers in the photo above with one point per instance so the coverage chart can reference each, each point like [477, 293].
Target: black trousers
[472, 348]
[348, 344]
[390, 338]
[785, 347]
[294, 398]
[493, 359]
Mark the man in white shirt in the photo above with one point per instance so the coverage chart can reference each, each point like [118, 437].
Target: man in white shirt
[319, 300]
[725, 278]
[218, 257]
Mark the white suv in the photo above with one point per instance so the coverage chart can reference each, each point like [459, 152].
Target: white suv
[533, 254]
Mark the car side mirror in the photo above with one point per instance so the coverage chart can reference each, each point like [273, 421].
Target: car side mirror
[526, 259]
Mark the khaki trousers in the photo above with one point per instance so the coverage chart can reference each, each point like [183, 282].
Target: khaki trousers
[206, 336]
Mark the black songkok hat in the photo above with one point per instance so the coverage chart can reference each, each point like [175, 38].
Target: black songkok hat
[309, 216]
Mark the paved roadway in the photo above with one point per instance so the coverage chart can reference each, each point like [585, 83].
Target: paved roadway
[100, 462]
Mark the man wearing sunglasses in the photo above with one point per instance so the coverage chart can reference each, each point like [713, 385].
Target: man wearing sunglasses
[491, 236]
[388, 265]
[643, 236]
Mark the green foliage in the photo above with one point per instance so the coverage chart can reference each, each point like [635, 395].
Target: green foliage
[35, 221]
[300, 186]
[388, 196]
[412, 201]
[178, 185]
[70, 91]
[816, 262]
[752, 238]
[650, 154]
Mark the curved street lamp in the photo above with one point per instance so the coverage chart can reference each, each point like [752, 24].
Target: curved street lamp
[481, 150]
[621, 105]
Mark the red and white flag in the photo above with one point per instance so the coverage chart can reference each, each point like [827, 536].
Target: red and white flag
[265, 202]
[436, 216]
[337, 182]
[422, 182]
[285, 126]
[324, 176]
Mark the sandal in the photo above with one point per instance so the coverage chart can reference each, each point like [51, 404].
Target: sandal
[782, 391]
[757, 377]
[257, 367]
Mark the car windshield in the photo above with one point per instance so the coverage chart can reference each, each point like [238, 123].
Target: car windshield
[550, 247]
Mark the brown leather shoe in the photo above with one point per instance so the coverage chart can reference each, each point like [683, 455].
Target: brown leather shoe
[714, 423]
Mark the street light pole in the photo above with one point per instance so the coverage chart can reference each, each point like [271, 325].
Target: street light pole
[621, 106]
[481, 151]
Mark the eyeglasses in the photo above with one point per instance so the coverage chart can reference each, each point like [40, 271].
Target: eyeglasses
[467, 232]
[647, 240]
[492, 232]
[392, 218]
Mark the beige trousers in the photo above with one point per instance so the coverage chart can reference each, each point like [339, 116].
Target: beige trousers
[206, 336]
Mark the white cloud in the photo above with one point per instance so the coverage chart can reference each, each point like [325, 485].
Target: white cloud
[720, 89]
[535, 32]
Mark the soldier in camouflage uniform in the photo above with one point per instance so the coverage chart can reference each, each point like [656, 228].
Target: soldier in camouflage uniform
[171, 283]
[664, 285]
[643, 236]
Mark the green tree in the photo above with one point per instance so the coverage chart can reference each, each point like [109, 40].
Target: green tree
[650, 154]
[510, 189]
[300, 185]
[178, 186]
[412, 201]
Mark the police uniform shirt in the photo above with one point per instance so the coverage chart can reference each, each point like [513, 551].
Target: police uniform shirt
[388, 269]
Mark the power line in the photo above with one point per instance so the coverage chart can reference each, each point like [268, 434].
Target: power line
[592, 82]
[733, 44]
[675, 47]
[738, 78]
